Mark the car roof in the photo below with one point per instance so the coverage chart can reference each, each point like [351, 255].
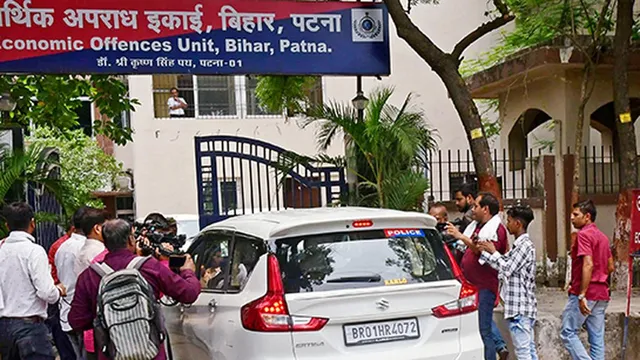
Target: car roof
[272, 224]
[176, 217]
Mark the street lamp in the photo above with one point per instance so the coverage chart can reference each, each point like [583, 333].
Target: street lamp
[360, 102]
[7, 103]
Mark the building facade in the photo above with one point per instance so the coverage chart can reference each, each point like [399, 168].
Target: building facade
[162, 156]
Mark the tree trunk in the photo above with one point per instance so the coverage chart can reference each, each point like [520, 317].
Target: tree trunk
[446, 67]
[585, 94]
[626, 144]
[472, 122]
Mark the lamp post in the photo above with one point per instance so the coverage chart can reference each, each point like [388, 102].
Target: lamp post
[7, 103]
[360, 102]
[11, 134]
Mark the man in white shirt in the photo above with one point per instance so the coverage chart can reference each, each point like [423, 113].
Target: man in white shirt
[176, 104]
[94, 245]
[26, 287]
[65, 260]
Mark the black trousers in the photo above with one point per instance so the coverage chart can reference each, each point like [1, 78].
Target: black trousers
[60, 338]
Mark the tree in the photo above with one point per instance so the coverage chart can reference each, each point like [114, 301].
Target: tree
[446, 66]
[285, 94]
[52, 100]
[391, 145]
[85, 167]
[584, 25]
[628, 163]
[21, 167]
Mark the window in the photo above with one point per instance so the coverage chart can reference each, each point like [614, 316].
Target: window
[162, 85]
[125, 208]
[345, 260]
[211, 256]
[253, 106]
[85, 118]
[246, 253]
[215, 96]
[229, 196]
[123, 120]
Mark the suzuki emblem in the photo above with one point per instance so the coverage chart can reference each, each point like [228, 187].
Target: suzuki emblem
[382, 304]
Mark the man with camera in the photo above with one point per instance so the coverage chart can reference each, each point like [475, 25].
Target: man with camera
[439, 211]
[158, 236]
[121, 242]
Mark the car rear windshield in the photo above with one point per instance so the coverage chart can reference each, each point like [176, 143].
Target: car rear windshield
[359, 259]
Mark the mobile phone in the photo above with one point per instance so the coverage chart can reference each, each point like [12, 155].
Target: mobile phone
[176, 261]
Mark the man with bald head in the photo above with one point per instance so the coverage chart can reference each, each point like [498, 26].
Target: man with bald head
[439, 211]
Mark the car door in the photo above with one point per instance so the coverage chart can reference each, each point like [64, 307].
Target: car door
[226, 324]
[213, 320]
[191, 327]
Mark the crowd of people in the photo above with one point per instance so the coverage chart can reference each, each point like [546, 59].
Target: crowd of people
[507, 275]
[65, 294]
[98, 263]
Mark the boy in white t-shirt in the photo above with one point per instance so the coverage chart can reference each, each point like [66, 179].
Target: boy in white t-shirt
[176, 104]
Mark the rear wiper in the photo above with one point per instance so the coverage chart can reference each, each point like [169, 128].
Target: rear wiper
[361, 278]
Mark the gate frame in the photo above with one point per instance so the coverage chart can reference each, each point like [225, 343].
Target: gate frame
[205, 218]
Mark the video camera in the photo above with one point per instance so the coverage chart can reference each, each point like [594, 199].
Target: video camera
[449, 240]
[159, 232]
[441, 227]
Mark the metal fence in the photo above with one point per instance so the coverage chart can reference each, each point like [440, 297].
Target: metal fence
[520, 176]
[516, 175]
[47, 232]
[598, 170]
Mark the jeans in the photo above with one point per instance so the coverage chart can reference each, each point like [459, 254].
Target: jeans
[60, 339]
[523, 337]
[25, 340]
[488, 329]
[497, 338]
[572, 321]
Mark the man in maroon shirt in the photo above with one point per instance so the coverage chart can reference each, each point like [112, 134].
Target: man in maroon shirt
[485, 208]
[591, 264]
[119, 240]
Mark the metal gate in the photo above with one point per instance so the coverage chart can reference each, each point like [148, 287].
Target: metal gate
[47, 231]
[237, 176]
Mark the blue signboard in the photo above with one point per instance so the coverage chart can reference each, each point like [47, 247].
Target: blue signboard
[194, 37]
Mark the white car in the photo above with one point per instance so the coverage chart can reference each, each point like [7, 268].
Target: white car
[326, 283]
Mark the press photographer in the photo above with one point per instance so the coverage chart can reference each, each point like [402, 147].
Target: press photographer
[156, 236]
[439, 211]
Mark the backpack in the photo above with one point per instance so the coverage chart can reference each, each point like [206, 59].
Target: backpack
[129, 324]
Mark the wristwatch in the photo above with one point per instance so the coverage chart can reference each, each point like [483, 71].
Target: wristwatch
[580, 297]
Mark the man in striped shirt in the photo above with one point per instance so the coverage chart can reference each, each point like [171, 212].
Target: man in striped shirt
[517, 274]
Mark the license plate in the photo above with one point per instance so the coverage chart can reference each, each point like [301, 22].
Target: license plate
[380, 332]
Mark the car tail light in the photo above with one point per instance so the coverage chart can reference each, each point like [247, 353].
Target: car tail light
[467, 300]
[270, 313]
[362, 223]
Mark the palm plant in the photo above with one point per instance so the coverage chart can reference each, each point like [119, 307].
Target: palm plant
[19, 168]
[388, 148]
